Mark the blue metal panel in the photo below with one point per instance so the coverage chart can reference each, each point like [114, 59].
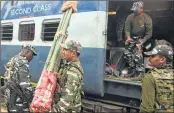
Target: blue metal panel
[23, 9]
[92, 59]
[130, 89]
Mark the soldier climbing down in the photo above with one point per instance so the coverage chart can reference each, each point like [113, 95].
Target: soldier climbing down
[138, 24]
[138, 30]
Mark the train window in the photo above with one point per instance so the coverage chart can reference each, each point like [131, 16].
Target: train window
[26, 31]
[49, 28]
[6, 32]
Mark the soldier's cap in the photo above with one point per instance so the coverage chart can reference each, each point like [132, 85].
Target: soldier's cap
[162, 50]
[72, 45]
[137, 5]
[30, 47]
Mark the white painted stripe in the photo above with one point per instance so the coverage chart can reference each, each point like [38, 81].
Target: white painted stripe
[85, 27]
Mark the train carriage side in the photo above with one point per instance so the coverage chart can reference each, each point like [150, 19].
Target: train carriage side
[119, 91]
[88, 26]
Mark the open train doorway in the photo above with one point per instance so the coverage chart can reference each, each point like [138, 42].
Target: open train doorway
[162, 14]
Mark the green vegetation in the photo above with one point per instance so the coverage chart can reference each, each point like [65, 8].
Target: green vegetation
[33, 84]
[3, 106]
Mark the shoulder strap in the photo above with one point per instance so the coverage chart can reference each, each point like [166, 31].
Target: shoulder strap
[9, 67]
[68, 68]
[75, 66]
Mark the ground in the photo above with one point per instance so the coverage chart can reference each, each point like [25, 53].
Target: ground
[3, 110]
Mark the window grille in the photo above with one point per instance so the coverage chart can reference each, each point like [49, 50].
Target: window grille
[6, 32]
[49, 29]
[26, 32]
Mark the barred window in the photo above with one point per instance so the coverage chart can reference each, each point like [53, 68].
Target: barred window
[49, 29]
[26, 31]
[6, 32]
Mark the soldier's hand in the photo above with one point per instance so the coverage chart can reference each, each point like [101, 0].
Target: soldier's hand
[128, 40]
[68, 5]
[31, 110]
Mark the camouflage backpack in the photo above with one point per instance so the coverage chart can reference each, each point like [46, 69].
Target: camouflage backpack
[13, 66]
[164, 89]
[10, 68]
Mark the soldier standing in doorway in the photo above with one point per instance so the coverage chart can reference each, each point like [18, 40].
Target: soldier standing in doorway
[138, 29]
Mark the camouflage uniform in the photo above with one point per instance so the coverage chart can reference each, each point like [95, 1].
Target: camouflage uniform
[69, 83]
[17, 71]
[157, 85]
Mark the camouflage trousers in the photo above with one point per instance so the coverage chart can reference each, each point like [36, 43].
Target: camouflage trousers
[158, 111]
[57, 110]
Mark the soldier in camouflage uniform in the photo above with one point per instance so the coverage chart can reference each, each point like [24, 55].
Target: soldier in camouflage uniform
[69, 82]
[138, 29]
[17, 72]
[157, 85]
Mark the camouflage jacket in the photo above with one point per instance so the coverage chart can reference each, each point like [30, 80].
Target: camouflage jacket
[17, 69]
[157, 91]
[69, 87]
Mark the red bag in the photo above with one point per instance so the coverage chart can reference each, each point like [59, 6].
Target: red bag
[44, 92]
